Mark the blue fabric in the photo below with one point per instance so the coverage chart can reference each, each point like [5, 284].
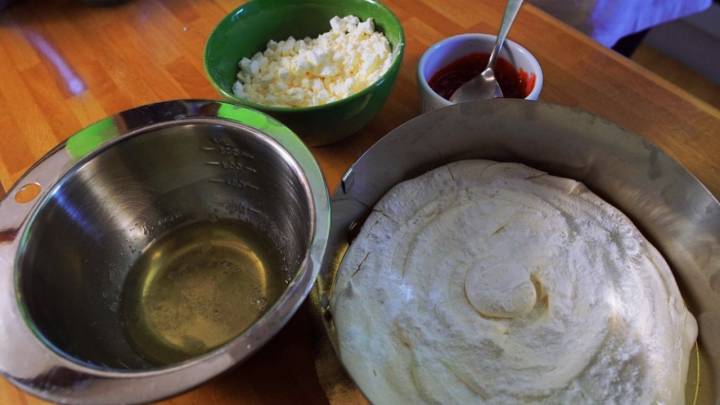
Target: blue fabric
[606, 21]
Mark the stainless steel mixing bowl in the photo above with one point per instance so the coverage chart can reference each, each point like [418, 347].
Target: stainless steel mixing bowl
[670, 206]
[106, 194]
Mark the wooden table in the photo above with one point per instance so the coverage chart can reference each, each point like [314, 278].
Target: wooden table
[64, 66]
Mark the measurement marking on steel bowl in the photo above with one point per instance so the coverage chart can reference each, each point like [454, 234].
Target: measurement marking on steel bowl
[235, 164]
[228, 151]
[235, 182]
[226, 147]
[232, 164]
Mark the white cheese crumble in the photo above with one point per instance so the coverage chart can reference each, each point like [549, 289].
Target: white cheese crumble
[310, 72]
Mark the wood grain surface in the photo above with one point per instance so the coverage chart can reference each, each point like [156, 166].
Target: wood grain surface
[64, 65]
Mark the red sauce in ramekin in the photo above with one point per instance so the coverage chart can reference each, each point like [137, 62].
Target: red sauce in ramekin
[513, 82]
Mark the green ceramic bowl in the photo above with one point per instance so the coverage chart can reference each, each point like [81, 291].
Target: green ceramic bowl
[247, 30]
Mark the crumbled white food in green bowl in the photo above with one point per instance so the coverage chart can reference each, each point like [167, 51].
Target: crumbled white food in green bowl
[311, 72]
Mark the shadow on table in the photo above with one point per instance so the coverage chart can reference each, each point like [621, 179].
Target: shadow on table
[38, 11]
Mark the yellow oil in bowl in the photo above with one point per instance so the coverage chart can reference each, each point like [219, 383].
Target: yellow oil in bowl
[197, 287]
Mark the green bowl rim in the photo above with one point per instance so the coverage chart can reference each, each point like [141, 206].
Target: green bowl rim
[397, 52]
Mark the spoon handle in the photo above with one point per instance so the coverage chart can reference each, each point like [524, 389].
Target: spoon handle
[511, 11]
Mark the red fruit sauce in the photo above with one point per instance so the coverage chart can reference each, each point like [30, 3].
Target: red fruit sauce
[514, 83]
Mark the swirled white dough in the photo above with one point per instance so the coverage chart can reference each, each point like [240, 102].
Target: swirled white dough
[485, 282]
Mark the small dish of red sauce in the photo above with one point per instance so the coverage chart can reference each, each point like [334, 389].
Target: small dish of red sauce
[513, 82]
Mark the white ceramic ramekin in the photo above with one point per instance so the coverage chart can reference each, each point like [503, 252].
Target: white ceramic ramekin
[453, 48]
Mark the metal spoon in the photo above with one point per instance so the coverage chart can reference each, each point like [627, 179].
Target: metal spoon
[485, 86]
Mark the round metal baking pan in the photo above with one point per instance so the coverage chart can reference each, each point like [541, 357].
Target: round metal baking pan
[668, 204]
